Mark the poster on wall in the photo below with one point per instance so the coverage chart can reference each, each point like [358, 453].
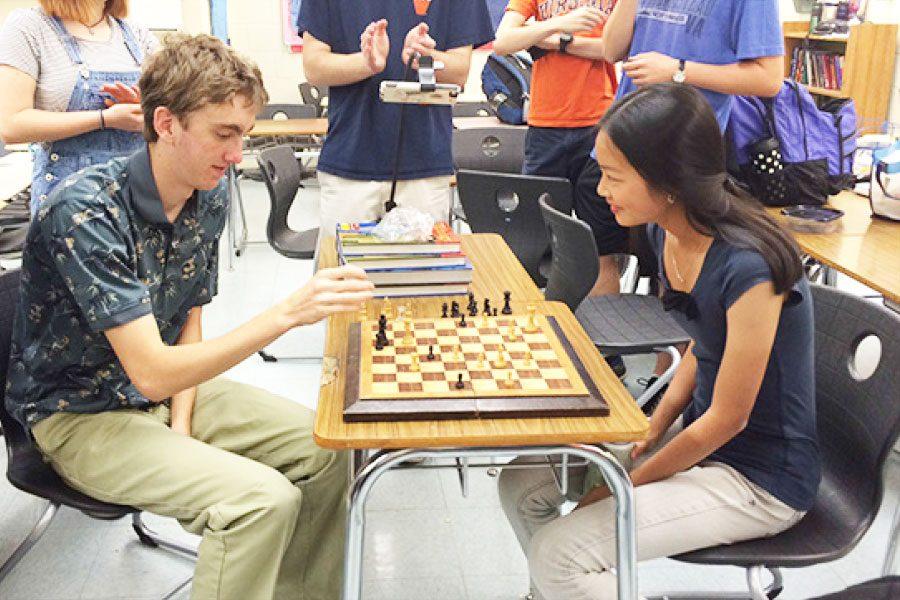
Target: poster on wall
[290, 10]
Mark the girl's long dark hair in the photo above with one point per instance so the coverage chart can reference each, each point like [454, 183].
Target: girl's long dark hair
[669, 134]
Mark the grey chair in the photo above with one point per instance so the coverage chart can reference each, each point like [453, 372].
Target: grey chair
[27, 470]
[885, 588]
[472, 109]
[498, 149]
[858, 424]
[282, 174]
[618, 325]
[315, 96]
[507, 204]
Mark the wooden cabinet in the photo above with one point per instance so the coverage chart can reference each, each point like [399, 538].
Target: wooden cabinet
[869, 52]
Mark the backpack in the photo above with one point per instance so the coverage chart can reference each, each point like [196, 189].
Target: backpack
[506, 81]
[790, 151]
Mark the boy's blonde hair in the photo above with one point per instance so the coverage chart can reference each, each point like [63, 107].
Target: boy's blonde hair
[78, 10]
[191, 71]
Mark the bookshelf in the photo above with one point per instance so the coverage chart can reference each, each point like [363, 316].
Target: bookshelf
[868, 55]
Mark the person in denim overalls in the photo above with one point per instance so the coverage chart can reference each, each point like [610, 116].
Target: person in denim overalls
[53, 161]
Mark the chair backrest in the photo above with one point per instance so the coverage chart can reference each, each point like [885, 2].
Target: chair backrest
[508, 205]
[472, 109]
[287, 111]
[498, 149]
[314, 95]
[16, 437]
[574, 269]
[858, 419]
[281, 173]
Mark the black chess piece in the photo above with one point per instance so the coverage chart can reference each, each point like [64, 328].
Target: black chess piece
[462, 321]
[459, 382]
[379, 342]
[454, 309]
[430, 352]
[487, 306]
[507, 309]
[444, 310]
[495, 312]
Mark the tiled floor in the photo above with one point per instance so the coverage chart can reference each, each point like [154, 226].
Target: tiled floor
[424, 541]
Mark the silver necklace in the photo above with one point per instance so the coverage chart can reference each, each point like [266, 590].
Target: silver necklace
[90, 28]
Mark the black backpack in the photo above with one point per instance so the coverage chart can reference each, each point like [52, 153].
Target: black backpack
[506, 81]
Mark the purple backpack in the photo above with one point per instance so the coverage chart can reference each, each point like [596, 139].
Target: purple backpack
[790, 151]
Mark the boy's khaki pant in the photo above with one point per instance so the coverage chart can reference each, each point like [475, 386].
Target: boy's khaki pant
[268, 502]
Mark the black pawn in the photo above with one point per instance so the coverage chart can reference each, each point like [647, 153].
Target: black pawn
[507, 309]
[444, 310]
[459, 382]
[495, 312]
[462, 321]
[430, 352]
[487, 306]
[382, 324]
[454, 309]
[379, 342]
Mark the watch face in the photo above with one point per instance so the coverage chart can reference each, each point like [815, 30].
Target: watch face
[678, 77]
[565, 37]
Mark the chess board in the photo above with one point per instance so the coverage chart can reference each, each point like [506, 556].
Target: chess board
[539, 373]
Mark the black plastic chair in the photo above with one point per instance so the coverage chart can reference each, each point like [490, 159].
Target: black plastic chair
[315, 96]
[885, 588]
[27, 470]
[472, 109]
[497, 149]
[508, 205]
[618, 324]
[282, 174]
[858, 424]
[287, 111]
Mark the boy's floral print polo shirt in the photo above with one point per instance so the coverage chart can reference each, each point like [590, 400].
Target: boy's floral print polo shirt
[102, 253]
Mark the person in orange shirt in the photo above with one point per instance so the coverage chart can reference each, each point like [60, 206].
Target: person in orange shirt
[571, 84]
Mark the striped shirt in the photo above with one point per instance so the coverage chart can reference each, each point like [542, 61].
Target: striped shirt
[29, 43]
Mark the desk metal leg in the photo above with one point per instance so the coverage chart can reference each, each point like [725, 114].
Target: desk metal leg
[236, 244]
[614, 474]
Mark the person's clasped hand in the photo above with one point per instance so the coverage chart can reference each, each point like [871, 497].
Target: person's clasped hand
[647, 68]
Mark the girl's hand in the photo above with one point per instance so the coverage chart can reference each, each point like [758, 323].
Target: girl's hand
[121, 93]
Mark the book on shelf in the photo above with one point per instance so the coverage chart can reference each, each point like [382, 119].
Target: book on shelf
[357, 239]
[817, 68]
[461, 274]
[401, 291]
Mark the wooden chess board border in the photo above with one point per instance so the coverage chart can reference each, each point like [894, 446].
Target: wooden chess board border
[357, 410]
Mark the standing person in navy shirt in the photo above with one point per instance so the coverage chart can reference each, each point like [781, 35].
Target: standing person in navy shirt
[351, 46]
[731, 453]
[720, 47]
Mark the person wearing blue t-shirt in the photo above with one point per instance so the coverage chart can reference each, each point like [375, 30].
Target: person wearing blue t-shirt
[720, 47]
[351, 46]
[731, 453]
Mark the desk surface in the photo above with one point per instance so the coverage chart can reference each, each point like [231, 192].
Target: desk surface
[864, 248]
[482, 123]
[270, 127]
[496, 270]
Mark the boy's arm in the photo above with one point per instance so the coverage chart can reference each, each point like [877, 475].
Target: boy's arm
[182, 405]
[159, 371]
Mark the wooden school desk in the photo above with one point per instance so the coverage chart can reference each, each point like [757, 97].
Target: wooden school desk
[864, 248]
[496, 270]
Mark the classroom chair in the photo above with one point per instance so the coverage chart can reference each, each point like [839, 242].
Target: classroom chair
[282, 174]
[26, 468]
[472, 109]
[507, 204]
[858, 422]
[497, 149]
[618, 325]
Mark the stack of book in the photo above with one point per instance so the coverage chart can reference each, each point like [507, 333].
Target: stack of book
[436, 267]
[817, 68]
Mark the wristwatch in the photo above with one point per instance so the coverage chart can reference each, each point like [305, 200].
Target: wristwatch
[565, 39]
[679, 76]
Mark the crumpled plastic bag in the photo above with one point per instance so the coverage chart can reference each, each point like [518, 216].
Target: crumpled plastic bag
[405, 224]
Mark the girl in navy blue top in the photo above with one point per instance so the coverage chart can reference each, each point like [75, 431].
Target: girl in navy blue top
[731, 453]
